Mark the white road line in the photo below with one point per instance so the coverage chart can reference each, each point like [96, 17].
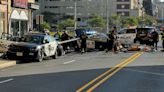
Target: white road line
[5, 81]
[69, 62]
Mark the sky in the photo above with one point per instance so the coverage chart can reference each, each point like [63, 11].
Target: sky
[162, 0]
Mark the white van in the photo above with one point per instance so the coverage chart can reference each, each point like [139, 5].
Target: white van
[127, 35]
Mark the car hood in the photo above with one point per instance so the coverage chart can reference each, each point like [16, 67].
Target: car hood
[25, 44]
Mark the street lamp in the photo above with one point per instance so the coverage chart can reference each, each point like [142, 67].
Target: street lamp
[107, 16]
[75, 14]
[162, 15]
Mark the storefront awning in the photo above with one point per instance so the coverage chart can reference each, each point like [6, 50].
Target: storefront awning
[15, 15]
[21, 16]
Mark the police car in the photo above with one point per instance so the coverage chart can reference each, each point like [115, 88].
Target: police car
[127, 35]
[34, 46]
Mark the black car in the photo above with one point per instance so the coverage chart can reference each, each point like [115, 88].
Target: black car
[143, 35]
[34, 46]
[100, 40]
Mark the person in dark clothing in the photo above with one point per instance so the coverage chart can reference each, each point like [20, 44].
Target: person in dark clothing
[112, 37]
[64, 37]
[83, 38]
[155, 39]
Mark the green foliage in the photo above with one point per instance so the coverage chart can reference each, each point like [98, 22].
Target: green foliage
[115, 19]
[96, 21]
[149, 20]
[65, 23]
[129, 21]
[45, 25]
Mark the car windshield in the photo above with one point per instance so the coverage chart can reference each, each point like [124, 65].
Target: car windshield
[144, 30]
[33, 39]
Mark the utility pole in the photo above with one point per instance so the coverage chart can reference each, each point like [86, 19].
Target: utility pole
[107, 16]
[162, 15]
[75, 14]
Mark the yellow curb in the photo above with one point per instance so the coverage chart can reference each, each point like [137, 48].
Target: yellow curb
[7, 63]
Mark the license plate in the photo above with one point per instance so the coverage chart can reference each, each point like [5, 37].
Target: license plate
[19, 54]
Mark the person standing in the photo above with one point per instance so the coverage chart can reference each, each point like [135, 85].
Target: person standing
[83, 38]
[112, 40]
[64, 37]
[155, 38]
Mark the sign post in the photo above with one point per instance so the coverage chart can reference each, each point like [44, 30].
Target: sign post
[39, 21]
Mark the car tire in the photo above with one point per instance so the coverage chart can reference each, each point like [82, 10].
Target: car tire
[40, 56]
[60, 50]
[55, 55]
[100, 47]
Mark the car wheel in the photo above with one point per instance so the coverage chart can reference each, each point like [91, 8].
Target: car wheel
[40, 56]
[100, 47]
[60, 50]
[55, 55]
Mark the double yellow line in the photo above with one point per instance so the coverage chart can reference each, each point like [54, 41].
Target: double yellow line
[106, 75]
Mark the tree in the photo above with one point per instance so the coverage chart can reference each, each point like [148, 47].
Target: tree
[45, 25]
[149, 20]
[115, 20]
[129, 21]
[65, 23]
[96, 21]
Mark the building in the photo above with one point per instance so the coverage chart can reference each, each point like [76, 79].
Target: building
[3, 16]
[20, 16]
[148, 6]
[159, 10]
[128, 8]
[86, 8]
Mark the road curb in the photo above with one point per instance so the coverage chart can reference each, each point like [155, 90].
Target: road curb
[7, 63]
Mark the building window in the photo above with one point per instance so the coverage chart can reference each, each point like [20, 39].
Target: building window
[123, 13]
[123, 6]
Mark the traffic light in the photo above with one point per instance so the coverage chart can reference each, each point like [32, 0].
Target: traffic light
[78, 19]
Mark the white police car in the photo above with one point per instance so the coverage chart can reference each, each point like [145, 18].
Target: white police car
[34, 46]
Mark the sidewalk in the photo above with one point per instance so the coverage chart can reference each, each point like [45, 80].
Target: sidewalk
[6, 63]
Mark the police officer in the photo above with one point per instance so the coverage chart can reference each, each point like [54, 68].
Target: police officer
[155, 38]
[162, 38]
[64, 37]
[83, 38]
[112, 40]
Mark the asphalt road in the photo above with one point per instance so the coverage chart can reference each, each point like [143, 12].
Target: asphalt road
[139, 72]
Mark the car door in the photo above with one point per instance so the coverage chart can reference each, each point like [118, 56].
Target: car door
[46, 46]
[52, 45]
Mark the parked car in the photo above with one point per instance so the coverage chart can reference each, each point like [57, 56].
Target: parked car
[143, 35]
[127, 35]
[100, 40]
[34, 46]
[88, 32]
